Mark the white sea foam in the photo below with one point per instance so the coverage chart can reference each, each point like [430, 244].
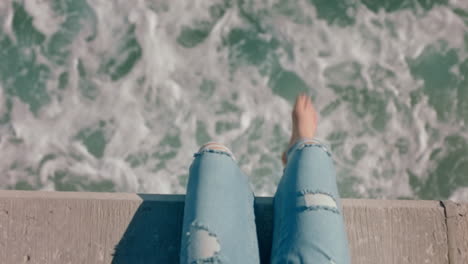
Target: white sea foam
[48, 21]
[168, 100]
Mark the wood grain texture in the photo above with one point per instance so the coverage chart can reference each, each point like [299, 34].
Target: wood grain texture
[57, 227]
[382, 231]
[457, 230]
[89, 230]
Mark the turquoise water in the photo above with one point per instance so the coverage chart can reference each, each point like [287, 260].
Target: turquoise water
[117, 95]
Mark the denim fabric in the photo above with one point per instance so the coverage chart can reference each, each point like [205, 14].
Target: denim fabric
[219, 224]
[218, 201]
[308, 230]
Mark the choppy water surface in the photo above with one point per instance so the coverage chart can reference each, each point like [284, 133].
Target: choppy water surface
[117, 95]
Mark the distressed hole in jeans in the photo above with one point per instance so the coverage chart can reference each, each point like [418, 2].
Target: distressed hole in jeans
[203, 245]
[316, 200]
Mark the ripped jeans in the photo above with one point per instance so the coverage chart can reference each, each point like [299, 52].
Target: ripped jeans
[219, 221]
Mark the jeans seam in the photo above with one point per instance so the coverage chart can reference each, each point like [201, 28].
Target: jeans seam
[322, 146]
[197, 154]
[301, 144]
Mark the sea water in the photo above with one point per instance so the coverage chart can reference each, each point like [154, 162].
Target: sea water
[118, 95]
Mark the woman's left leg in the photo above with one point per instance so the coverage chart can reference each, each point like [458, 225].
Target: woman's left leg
[219, 221]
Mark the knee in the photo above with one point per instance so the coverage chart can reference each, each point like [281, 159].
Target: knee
[215, 147]
[308, 200]
[203, 245]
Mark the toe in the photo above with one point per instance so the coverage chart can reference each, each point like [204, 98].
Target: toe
[301, 102]
[312, 108]
[296, 103]
[305, 101]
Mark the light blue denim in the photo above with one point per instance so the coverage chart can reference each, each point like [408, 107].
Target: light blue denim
[308, 234]
[220, 203]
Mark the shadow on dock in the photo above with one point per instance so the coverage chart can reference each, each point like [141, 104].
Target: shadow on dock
[154, 233]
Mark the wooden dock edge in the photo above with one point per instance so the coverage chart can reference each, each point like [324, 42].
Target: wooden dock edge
[82, 227]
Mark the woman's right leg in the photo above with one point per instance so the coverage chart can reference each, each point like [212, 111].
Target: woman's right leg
[308, 223]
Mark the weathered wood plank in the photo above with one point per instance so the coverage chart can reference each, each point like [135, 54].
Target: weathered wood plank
[457, 229]
[95, 230]
[383, 231]
[57, 227]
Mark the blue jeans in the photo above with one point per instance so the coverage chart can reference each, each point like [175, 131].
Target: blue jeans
[219, 221]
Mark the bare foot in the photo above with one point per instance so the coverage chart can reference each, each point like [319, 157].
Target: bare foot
[304, 121]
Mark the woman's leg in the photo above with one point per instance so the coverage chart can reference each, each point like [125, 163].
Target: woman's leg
[219, 221]
[308, 224]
